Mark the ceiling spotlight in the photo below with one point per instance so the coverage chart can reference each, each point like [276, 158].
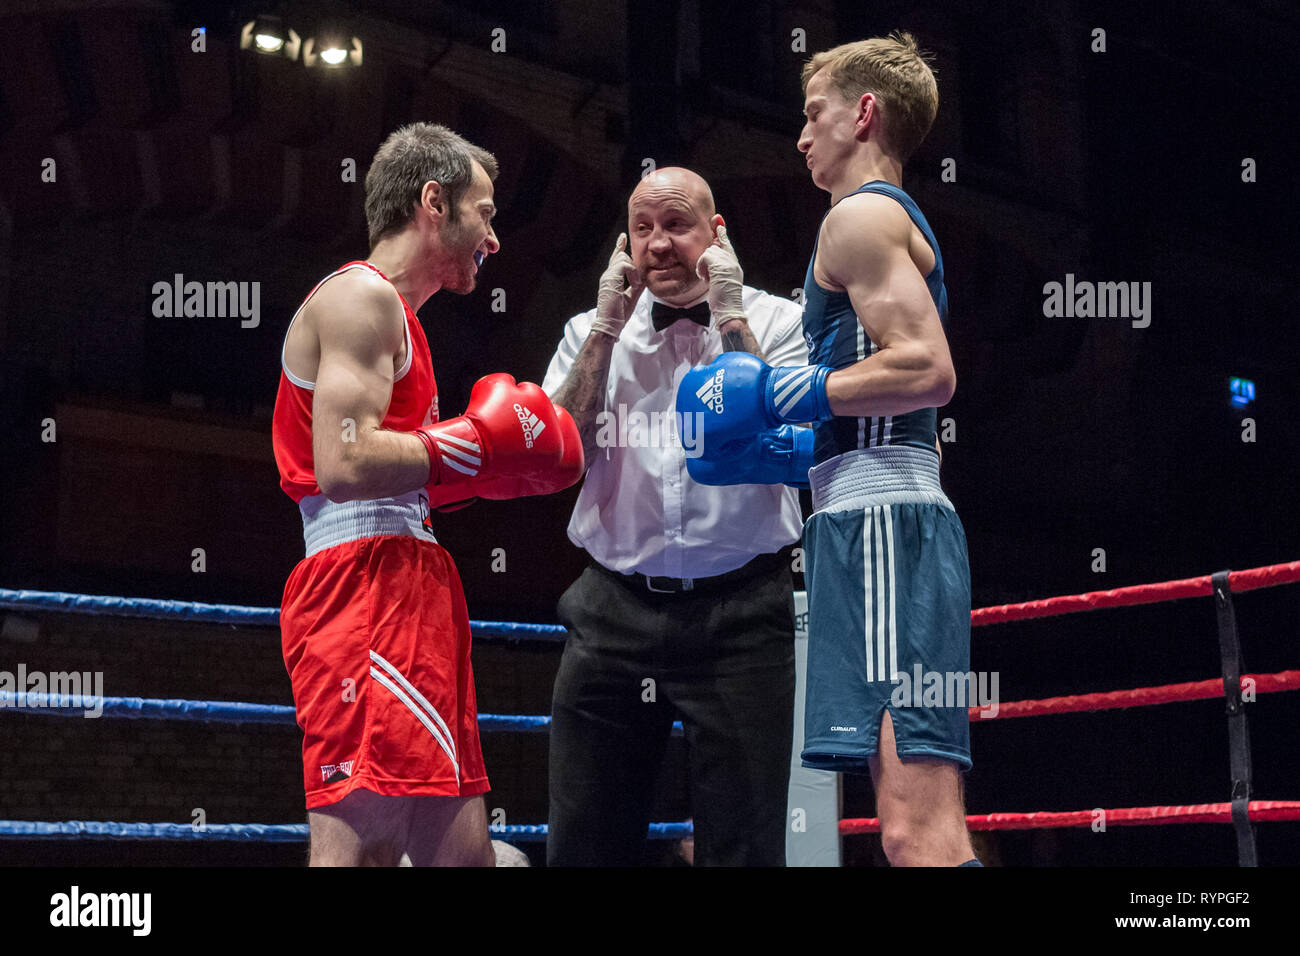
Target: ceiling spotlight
[332, 46]
[269, 36]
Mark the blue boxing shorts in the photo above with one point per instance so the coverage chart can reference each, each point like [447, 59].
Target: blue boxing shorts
[888, 612]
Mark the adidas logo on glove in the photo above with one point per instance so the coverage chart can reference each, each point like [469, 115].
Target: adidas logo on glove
[711, 392]
[532, 424]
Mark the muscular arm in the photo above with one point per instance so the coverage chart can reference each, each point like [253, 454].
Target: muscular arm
[864, 250]
[582, 393]
[359, 321]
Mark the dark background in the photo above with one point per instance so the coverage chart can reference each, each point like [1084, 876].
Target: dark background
[1070, 434]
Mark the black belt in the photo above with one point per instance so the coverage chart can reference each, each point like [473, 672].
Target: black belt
[763, 564]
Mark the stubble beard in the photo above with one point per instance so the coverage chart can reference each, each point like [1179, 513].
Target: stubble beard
[457, 261]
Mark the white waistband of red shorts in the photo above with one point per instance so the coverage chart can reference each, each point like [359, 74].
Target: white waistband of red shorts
[879, 475]
[326, 523]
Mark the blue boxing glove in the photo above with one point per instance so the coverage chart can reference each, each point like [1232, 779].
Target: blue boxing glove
[740, 395]
[778, 456]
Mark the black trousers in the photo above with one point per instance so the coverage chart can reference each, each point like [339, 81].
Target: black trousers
[721, 661]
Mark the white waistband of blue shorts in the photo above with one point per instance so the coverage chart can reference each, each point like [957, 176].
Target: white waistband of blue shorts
[326, 523]
[879, 475]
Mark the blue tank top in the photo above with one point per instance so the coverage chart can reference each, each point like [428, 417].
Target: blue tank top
[836, 338]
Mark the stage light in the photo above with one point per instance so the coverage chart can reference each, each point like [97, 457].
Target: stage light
[269, 36]
[332, 46]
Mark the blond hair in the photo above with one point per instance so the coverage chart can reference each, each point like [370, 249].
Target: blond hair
[897, 72]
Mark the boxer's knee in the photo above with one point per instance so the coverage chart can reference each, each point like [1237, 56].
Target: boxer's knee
[332, 842]
[362, 829]
[449, 831]
[932, 839]
[901, 841]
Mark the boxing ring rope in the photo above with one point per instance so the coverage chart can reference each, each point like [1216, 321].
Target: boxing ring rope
[1238, 582]
[1137, 697]
[222, 711]
[64, 602]
[235, 712]
[248, 832]
[1159, 592]
[1260, 811]
[1240, 811]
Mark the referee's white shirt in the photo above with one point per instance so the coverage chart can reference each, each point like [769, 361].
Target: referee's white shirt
[639, 510]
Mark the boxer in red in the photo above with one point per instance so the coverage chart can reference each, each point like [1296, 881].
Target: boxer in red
[374, 627]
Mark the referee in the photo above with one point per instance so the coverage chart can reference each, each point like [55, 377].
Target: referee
[686, 611]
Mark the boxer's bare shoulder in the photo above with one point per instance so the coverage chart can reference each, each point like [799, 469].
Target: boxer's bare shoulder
[355, 313]
[863, 228]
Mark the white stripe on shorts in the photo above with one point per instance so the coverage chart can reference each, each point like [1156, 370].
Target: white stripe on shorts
[882, 594]
[893, 618]
[880, 625]
[866, 590]
[423, 710]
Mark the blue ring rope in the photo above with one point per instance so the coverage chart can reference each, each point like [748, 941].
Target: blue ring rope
[69, 603]
[220, 711]
[249, 832]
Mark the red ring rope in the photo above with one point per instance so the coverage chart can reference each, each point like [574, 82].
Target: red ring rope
[1238, 581]
[1260, 811]
[1138, 697]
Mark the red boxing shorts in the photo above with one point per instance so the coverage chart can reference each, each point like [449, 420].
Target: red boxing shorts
[376, 641]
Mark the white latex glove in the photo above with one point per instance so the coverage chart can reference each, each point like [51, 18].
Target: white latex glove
[614, 303]
[720, 267]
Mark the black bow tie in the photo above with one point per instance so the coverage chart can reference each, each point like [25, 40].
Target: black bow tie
[664, 315]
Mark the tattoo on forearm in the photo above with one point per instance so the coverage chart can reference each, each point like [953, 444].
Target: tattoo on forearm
[583, 391]
[741, 340]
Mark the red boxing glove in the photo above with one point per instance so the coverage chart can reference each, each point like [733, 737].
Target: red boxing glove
[570, 468]
[508, 430]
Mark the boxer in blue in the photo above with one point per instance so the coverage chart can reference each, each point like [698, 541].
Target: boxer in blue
[888, 579]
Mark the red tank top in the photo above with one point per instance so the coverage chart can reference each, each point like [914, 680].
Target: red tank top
[414, 401]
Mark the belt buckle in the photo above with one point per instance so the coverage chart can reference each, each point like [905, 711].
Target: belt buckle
[688, 584]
